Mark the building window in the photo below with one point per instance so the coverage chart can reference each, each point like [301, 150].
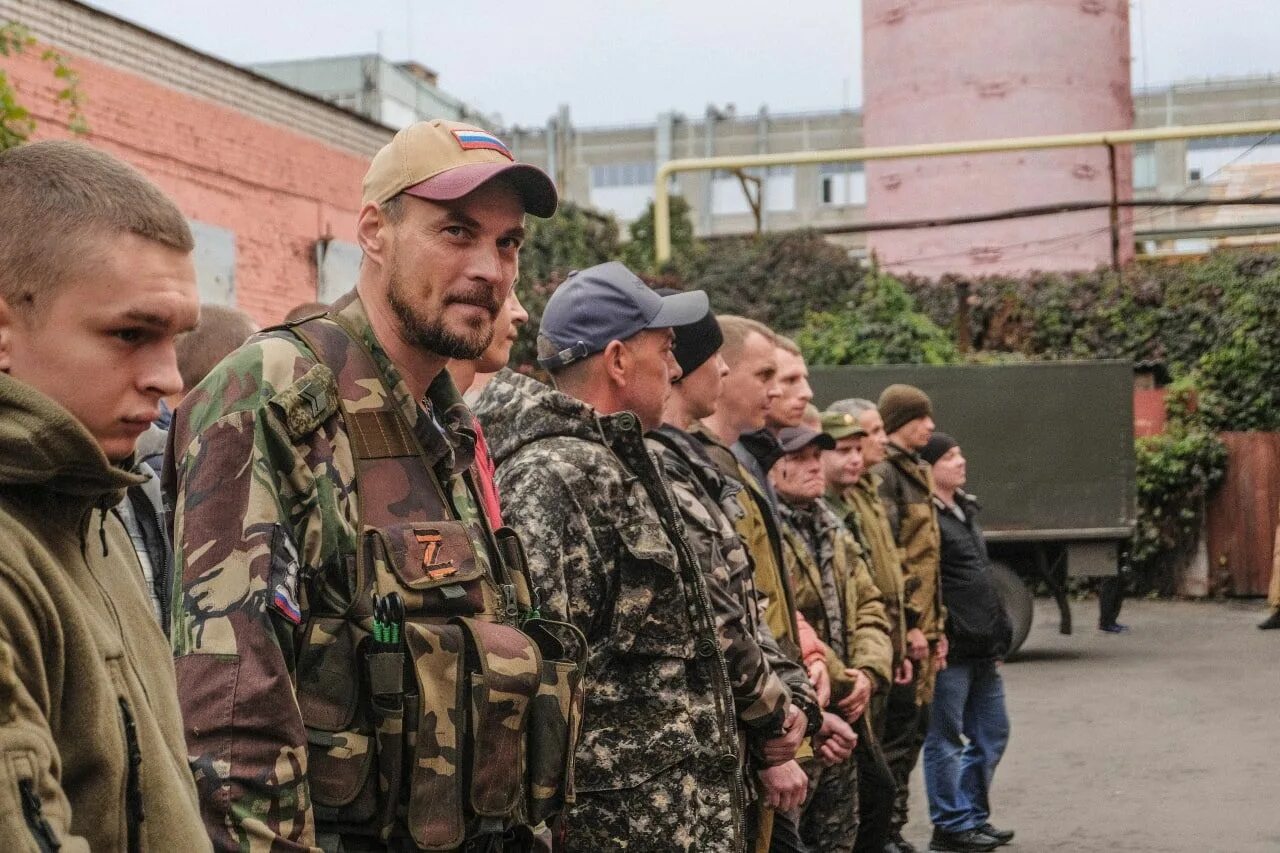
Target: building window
[623, 189]
[1206, 157]
[1144, 166]
[779, 185]
[623, 175]
[841, 184]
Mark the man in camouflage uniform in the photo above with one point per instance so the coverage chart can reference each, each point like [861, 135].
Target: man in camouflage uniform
[853, 493]
[657, 767]
[709, 503]
[906, 491]
[261, 469]
[835, 592]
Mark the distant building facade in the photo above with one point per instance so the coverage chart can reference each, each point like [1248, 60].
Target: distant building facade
[269, 177]
[392, 93]
[613, 168]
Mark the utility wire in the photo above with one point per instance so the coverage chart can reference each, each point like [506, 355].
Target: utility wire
[1049, 244]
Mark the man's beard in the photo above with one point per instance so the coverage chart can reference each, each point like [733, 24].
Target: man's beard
[431, 334]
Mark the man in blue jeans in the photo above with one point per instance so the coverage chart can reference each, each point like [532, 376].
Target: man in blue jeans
[968, 726]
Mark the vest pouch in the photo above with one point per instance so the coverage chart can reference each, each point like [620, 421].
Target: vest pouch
[340, 745]
[432, 565]
[554, 719]
[435, 811]
[505, 669]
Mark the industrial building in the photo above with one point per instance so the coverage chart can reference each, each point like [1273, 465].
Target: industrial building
[613, 168]
[267, 163]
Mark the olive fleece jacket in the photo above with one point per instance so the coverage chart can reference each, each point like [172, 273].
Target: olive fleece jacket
[91, 748]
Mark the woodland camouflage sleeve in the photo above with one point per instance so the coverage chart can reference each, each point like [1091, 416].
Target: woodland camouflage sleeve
[241, 489]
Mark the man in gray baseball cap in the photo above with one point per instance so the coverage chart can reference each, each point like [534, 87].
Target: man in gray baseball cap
[607, 553]
[606, 339]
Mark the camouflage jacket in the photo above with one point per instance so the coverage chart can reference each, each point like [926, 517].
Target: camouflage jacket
[835, 592]
[861, 510]
[261, 477]
[756, 526]
[759, 695]
[906, 489]
[607, 553]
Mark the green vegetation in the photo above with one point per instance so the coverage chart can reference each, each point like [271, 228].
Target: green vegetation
[16, 122]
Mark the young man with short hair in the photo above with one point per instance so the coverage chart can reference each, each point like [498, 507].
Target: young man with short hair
[708, 499]
[96, 281]
[968, 723]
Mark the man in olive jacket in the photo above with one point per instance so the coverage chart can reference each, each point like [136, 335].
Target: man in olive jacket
[906, 490]
[96, 280]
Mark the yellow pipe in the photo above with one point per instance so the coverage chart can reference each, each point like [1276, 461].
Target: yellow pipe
[662, 197]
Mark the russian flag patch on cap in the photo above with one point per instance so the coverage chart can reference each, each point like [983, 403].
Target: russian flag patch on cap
[470, 139]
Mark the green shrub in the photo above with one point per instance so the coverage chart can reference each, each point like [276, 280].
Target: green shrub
[1176, 472]
[880, 326]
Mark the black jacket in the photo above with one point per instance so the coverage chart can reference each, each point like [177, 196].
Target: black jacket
[977, 626]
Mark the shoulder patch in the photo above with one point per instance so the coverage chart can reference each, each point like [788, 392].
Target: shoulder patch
[309, 402]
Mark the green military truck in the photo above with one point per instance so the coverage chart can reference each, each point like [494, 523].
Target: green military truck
[1050, 452]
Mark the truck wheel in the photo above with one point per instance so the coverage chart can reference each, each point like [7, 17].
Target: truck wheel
[1017, 600]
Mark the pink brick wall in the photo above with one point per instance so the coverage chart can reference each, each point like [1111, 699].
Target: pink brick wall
[278, 191]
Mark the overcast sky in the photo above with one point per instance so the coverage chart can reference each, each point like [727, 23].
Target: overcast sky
[620, 61]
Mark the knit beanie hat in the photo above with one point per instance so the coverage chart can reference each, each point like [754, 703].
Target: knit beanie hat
[901, 404]
[937, 447]
[696, 342]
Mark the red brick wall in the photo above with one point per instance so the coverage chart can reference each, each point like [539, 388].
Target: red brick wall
[278, 190]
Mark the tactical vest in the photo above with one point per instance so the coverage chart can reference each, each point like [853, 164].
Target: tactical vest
[439, 709]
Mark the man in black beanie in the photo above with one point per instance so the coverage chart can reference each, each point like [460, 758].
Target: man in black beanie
[769, 689]
[906, 489]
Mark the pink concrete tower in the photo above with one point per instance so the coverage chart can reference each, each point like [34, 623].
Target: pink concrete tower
[953, 70]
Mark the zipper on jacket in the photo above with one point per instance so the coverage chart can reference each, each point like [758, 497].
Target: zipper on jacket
[134, 815]
[41, 832]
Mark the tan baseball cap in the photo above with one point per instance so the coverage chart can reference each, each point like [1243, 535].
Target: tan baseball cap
[444, 160]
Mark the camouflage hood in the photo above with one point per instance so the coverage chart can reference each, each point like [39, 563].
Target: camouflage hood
[42, 444]
[517, 410]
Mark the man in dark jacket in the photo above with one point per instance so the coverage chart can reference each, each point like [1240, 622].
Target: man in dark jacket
[968, 725]
[657, 766]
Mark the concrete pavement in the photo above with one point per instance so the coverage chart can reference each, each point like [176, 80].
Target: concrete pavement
[1163, 740]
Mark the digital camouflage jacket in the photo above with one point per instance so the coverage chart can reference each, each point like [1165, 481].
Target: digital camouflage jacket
[657, 765]
[261, 472]
[704, 496]
[860, 508]
[906, 488]
[835, 592]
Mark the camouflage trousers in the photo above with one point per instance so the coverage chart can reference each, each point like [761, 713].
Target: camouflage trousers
[829, 816]
[680, 809]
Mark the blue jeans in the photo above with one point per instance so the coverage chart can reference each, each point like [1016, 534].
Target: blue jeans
[968, 730]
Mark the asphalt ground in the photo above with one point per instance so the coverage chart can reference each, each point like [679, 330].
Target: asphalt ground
[1165, 739]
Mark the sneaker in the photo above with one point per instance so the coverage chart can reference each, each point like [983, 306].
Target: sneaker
[1114, 628]
[1004, 836]
[1272, 622]
[968, 841]
[898, 844]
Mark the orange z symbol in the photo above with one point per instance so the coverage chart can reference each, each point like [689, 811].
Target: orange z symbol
[433, 541]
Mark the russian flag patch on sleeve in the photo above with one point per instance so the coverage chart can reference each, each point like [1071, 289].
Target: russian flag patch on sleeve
[471, 139]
